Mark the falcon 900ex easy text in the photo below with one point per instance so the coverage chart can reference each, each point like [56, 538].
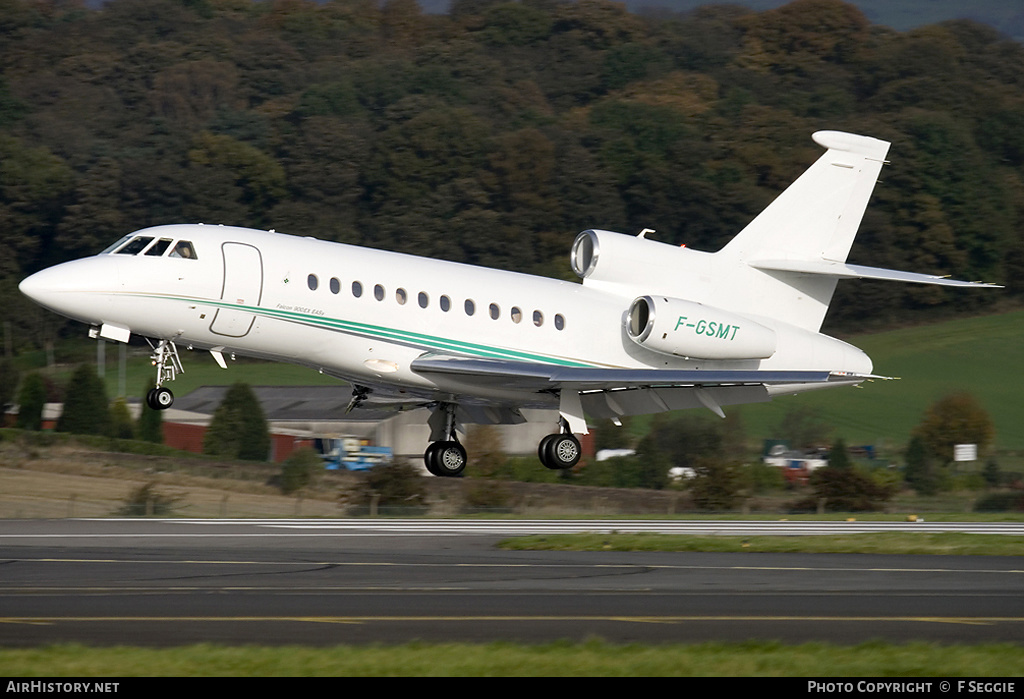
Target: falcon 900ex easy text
[653, 327]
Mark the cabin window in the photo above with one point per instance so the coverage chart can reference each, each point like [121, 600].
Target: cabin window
[495, 311]
[559, 322]
[184, 250]
[313, 282]
[378, 292]
[136, 246]
[538, 318]
[335, 285]
[517, 314]
[401, 296]
[423, 299]
[357, 289]
[470, 307]
[446, 303]
[159, 247]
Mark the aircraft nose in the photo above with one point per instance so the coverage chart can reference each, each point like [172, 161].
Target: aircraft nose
[41, 286]
[65, 288]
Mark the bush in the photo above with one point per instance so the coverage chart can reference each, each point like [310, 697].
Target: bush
[300, 469]
[397, 484]
[1001, 502]
[759, 477]
[846, 490]
[147, 500]
[716, 485]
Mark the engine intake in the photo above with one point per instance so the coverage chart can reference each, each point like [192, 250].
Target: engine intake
[695, 331]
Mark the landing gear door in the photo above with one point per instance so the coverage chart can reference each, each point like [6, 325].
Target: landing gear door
[243, 288]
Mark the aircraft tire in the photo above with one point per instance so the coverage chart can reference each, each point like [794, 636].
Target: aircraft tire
[563, 451]
[160, 398]
[428, 458]
[542, 451]
[446, 459]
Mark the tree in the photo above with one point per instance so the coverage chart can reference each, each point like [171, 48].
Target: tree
[838, 457]
[918, 471]
[31, 400]
[238, 429]
[121, 425]
[716, 484]
[86, 409]
[150, 425]
[951, 420]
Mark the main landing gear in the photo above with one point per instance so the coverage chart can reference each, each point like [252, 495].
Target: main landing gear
[559, 451]
[168, 366]
[444, 457]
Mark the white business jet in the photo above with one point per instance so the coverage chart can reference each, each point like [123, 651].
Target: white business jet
[653, 327]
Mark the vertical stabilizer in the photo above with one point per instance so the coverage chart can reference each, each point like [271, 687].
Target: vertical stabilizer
[814, 220]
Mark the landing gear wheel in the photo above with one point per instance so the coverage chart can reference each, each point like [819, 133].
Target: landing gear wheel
[429, 458]
[160, 398]
[542, 450]
[560, 451]
[447, 459]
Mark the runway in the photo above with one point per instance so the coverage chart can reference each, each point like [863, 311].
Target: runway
[324, 582]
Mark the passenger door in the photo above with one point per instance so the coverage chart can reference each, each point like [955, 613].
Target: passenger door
[243, 289]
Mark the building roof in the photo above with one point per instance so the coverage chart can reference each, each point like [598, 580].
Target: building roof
[287, 403]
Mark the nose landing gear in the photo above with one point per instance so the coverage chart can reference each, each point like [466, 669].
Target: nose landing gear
[168, 366]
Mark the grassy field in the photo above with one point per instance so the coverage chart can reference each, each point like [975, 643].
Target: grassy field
[982, 356]
[590, 659]
[948, 543]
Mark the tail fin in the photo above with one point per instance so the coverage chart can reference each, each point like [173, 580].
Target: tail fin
[814, 221]
[817, 217]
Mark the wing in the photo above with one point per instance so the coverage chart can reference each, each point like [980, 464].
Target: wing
[610, 392]
[548, 377]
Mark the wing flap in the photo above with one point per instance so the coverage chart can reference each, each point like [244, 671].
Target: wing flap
[540, 377]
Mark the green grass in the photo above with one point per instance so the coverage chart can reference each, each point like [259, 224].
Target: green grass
[982, 355]
[951, 543]
[590, 659]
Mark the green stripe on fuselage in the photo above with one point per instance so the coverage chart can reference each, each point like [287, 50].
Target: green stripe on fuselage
[427, 342]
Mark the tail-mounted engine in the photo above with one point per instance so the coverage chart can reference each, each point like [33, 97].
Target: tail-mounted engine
[695, 331]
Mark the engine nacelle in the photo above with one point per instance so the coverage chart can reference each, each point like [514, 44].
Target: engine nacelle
[693, 330]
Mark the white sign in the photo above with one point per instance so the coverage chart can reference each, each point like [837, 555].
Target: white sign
[965, 452]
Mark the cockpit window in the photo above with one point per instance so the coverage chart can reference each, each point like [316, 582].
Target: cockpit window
[119, 243]
[136, 246]
[159, 247]
[184, 249]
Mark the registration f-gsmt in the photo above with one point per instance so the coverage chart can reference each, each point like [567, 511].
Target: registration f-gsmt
[652, 326]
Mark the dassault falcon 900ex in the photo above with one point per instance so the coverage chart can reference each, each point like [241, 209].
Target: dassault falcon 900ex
[653, 327]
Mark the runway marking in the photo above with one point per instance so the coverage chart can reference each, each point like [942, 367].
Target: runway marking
[512, 527]
[588, 566]
[672, 619]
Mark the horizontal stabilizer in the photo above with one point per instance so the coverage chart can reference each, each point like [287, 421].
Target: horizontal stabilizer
[841, 270]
